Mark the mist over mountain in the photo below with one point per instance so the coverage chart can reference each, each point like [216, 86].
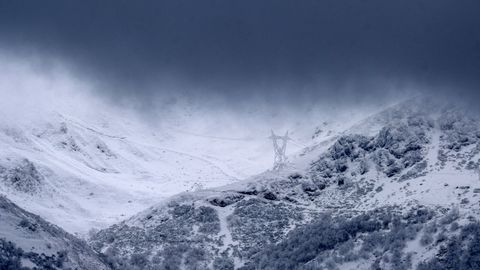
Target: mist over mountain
[238, 52]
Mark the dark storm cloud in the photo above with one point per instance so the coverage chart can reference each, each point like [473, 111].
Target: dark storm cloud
[228, 46]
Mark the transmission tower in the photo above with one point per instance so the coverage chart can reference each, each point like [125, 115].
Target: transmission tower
[280, 160]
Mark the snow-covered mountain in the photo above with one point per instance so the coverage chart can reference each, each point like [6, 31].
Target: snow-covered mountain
[397, 191]
[84, 164]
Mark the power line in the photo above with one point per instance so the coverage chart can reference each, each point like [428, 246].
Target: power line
[246, 139]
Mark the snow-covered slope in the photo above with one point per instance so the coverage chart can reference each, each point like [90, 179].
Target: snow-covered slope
[376, 195]
[81, 163]
[28, 241]
[81, 174]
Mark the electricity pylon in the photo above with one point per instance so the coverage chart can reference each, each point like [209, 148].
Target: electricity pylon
[280, 159]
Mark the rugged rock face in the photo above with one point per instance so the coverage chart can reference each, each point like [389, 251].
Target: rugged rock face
[29, 242]
[23, 177]
[391, 151]
[387, 200]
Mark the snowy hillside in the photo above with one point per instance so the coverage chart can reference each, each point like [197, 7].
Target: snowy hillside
[26, 240]
[82, 175]
[390, 193]
[82, 163]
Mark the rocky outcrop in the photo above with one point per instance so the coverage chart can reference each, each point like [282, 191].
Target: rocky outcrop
[23, 176]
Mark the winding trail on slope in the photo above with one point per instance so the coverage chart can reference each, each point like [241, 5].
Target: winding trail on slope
[221, 167]
[224, 169]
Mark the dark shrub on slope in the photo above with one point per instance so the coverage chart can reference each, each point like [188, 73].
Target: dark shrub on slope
[460, 252]
[12, 256]
[303, 245]
[329, 242]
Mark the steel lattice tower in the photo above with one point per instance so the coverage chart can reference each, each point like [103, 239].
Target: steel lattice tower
[280, 159]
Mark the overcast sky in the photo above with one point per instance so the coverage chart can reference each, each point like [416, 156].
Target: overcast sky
[240, 50]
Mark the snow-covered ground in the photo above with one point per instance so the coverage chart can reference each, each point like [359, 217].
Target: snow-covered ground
[92, 175]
